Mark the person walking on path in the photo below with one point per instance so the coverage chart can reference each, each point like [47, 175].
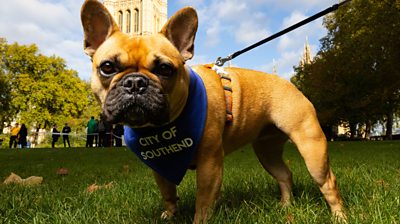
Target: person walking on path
[23, 132]
[14, 135]
[91, 131]
[65, 133]
[55, 135]
[102, 132]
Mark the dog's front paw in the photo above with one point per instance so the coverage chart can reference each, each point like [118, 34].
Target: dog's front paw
[166, 215]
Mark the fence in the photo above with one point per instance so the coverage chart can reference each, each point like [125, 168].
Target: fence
[44, 139]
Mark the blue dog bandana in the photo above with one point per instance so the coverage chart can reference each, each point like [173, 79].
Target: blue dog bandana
[169, 149]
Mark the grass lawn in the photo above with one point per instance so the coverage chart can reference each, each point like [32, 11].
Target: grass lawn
[368, 174]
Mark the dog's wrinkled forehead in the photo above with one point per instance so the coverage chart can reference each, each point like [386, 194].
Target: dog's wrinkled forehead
[139, 52]
[136, 54]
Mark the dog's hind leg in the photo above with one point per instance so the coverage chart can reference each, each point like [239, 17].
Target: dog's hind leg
[312, 145]
[269, 149]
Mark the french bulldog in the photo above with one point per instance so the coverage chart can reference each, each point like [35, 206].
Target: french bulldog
[143, 82]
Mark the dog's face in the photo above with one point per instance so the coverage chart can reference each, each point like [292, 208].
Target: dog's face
[139, 80]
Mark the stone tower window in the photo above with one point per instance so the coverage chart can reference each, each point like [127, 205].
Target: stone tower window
[120, 20]
[138, 17]
[136, 21]
[128, 21]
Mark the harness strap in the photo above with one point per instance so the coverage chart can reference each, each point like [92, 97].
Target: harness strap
[226, 82]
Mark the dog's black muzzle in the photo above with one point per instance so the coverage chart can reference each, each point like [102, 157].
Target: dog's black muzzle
[137, 100]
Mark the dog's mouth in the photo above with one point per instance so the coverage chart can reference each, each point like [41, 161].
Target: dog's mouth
[136, 101]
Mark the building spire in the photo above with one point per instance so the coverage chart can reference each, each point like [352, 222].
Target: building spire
[274, 67]
[306, 58]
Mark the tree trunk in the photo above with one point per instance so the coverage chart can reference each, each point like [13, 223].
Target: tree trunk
[328, 131]
[353, 130]
[1, 127]
[389, 126]
[368, 127]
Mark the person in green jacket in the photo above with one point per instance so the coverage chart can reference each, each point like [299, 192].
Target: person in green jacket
[91, 131]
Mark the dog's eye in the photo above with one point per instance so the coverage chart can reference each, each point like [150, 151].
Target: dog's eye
[108, 69]
[164, 70]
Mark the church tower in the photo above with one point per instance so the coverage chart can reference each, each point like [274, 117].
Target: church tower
[306, 58]
[138, 17]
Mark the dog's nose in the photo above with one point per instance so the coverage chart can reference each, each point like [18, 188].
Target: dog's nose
[135, 84]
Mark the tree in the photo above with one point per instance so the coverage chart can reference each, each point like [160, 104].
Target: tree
[5, 96]
[42, 89]
[358, 65]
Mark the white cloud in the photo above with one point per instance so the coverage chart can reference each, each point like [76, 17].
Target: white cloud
[49, 15]
[229, 9]
[249, 32]
[294, 18]
[52, 25]
[284, 64]
[296, 37]
[305, 4]
[290, 5]
[291, 46]
[232, 18]
[199, 59]
[195, 3]
[213, 33]
[287, 59]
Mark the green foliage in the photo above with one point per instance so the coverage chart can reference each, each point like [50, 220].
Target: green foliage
[41, 89]
[355, 77]
[5, 96]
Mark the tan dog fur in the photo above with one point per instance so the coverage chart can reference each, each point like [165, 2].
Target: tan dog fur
[267, 110]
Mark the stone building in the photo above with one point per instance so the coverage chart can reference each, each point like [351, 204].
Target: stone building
[138, 17]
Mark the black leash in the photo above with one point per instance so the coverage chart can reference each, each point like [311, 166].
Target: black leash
[221, 61]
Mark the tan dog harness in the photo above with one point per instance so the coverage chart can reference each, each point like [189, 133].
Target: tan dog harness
[226, 82]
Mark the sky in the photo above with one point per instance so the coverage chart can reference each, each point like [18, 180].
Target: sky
[225, 26]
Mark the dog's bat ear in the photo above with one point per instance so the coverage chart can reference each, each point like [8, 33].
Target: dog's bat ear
[181, 29]
[98, 25]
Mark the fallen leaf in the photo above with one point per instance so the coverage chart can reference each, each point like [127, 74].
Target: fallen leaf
[94, 187]
[109, 185]
[381, 182]
[13, 179]
[62, 172]
[30, 181]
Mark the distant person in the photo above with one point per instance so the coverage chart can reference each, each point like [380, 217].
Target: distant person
[55, 135]
[96, 134]
[91, 131]
[65, 131]
[108, 135]
[118, 132]
[14, 135]
[23, 132]
[102, 132]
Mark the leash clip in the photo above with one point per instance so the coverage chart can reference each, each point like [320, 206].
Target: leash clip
[221, 61]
